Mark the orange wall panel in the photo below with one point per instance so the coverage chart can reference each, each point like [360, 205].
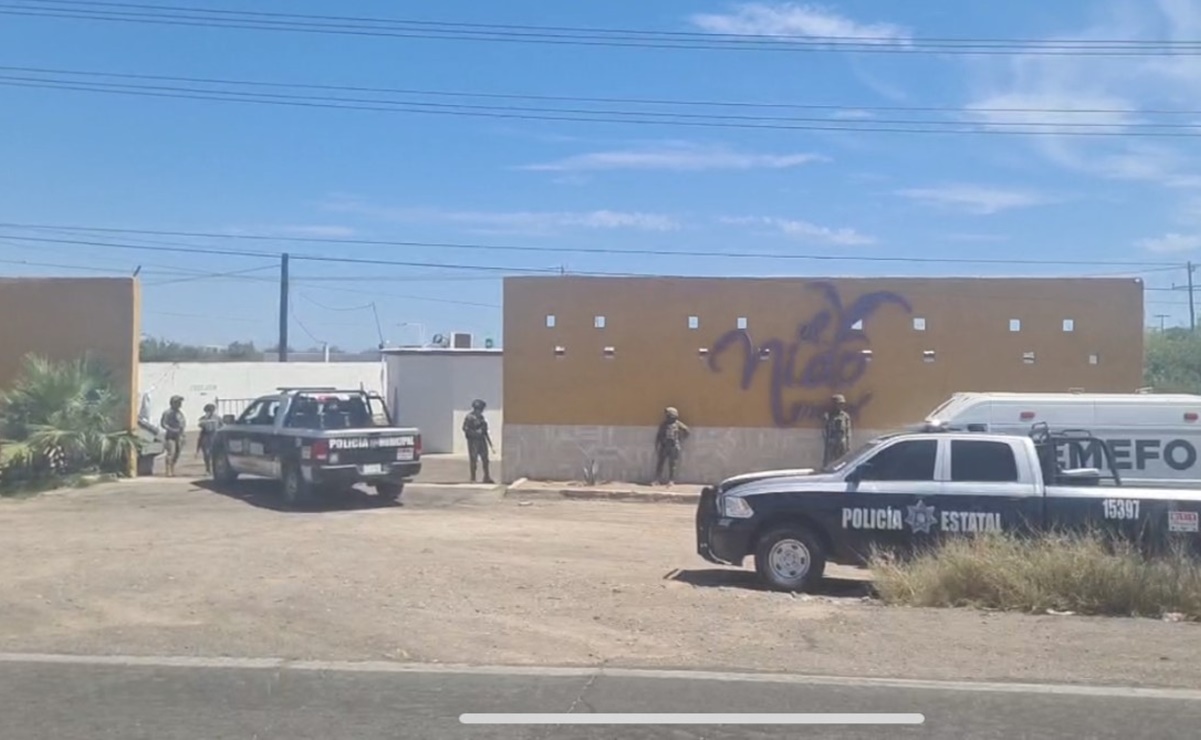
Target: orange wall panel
[658, 359]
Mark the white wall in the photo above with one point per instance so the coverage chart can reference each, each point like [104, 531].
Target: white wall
[433, 390]
[203, 382]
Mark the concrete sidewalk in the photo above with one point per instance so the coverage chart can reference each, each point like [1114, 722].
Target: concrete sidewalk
[528, 490]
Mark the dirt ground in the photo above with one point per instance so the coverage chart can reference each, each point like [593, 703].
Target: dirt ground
[165, 567]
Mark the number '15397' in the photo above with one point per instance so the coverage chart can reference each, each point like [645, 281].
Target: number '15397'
[1120, 508]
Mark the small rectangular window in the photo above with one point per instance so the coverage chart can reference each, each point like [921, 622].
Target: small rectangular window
[560, 351]
[550, 321]
[1069, 325]
[928, 355]
[919, 324]
[609, 351]
[694, 322]
[982, 462]
[1015, 325]
[598, 322]
[741, 323]
[858, 325]
[1028, 358]
[1094, 359]
[904, 461]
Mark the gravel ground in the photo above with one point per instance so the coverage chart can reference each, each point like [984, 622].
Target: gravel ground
[164, 567]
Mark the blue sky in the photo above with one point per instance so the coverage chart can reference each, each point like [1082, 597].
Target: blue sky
[73, 158]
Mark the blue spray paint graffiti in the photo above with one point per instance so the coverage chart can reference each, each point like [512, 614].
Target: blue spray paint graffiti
[836, 365]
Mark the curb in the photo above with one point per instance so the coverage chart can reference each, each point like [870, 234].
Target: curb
[594, 494]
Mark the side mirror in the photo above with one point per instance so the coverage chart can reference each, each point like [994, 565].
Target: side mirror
[228, 419]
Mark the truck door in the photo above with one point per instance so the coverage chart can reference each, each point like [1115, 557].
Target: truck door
[887, 503]
[247, 441]
[989, 488]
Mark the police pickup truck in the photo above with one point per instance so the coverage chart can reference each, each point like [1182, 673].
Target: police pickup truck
[904, 492]
[318, 439]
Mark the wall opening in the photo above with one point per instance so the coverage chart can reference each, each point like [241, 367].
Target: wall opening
[694, 322]
[928, 355]
[741, 323]
[858, 325]
[1028, 358]
[1015, 325]
[1069, 325]
[1094, 359]
[919, 323]
[609, 352]
[550, 321]
[560, 351]
[598, 322]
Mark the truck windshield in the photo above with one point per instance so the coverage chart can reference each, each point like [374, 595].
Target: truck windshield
[338, 411]
[855, 454]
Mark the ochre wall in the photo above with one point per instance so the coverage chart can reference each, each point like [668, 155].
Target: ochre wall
[657, 359]
[64, 318]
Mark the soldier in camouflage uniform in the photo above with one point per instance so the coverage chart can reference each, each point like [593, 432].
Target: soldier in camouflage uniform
[836, 431]
[174, 424]
[671, 436]
[475, 428]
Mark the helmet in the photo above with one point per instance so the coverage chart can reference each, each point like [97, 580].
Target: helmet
[671, 411]
[210, 407]
[176, 399]
[478, 404]
[838, 398]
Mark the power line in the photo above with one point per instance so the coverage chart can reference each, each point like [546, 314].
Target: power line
[593, 99]
[632, 118]
[724, 254]
[578, 36]
[306, 257]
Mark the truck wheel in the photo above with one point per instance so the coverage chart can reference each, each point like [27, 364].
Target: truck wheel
[390, 491]
[790, 558]
[297, 491]
[223, 472]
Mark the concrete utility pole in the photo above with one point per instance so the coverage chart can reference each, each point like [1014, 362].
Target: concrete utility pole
[1192, 311]
[1161, 317]
[283, 307]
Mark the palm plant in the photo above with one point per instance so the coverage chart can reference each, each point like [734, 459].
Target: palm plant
[63, 418]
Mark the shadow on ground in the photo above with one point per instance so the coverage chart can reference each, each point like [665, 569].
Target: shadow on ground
[841, 588]
[265, 494]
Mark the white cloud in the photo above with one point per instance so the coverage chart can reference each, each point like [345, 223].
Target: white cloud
[514, 222]
[1171, 243]
[796, 19]
[676, 157]
[974, 199]
[803, 230]
[1102, 95]
[319, 231]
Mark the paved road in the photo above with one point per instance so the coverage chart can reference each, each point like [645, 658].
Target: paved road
[171, 699]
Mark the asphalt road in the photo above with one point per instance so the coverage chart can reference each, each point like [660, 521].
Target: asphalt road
[182, 699]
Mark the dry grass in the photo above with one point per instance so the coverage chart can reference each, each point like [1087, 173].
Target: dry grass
[1083, 573]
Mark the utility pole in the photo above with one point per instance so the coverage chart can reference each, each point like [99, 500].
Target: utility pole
[1192, 310]
[283, 307]
[1161, 317]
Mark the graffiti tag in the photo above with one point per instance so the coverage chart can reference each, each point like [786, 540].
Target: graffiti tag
[837, 362]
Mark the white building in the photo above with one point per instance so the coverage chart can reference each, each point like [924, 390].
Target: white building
[432, 388]
[231, 385]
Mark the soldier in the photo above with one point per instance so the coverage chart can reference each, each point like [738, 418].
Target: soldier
[204, 441]
[671, 436]
[475, 428]
[836, 430]
[173, 424]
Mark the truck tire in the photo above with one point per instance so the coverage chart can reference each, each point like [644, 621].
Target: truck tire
[223, 472]
[389, 491]
[790, 558]
[298, 492]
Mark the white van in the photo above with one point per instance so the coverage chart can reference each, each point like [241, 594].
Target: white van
[1155, 438]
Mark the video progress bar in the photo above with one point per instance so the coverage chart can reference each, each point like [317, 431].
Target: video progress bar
[853, 718]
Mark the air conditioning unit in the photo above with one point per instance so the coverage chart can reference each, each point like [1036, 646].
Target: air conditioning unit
[460, 340]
